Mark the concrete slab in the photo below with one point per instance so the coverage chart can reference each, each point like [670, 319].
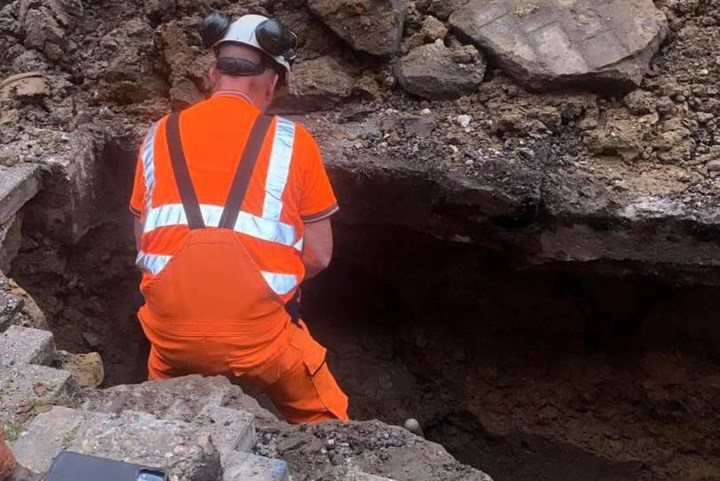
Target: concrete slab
[249, 467]
[28, 389]
[22, 345]
[18, 184]
[181, 398]
[50, 433]
[231, 430]
[134, 437]
[10, 241]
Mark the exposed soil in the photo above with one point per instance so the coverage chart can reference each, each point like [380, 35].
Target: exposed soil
[525, 375]
[529, 375]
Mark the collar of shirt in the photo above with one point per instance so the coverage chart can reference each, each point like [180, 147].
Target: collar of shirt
[234, 93]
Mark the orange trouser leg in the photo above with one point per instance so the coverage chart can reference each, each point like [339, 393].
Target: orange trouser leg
[299, 382]
[159, 369]
[7, 460]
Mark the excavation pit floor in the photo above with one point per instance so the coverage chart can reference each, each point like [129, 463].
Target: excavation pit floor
[524, 375]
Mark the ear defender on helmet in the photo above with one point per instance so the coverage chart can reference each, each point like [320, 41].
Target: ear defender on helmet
[277, 40]
[214, 27]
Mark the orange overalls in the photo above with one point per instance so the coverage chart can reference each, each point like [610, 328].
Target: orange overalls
[211, 310]
[7, 459]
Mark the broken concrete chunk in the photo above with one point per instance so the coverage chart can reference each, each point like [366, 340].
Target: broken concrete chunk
[429, 71]
[86, 369]
[134, 437]
[552, 43]
[28, 86]
[20, 345]
[18, 184]
[249, 467]
[317, 84]
[372, 26]
[433, 29]
[10, 241]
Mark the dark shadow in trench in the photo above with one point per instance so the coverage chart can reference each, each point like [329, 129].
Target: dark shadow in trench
[415, 327]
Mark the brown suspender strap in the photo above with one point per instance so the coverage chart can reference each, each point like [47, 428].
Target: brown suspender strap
[240, 183]
[182, 175]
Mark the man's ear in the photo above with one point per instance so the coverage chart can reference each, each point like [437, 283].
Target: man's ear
[270, 93]
[213, 75]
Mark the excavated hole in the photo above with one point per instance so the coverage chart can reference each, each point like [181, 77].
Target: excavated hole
[526, 375]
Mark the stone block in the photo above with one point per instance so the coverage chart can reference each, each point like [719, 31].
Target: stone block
[50, 433]
[177, 447]
[21, 345]
[10, 241]
[18, 184]
[25, 390]
[250, 467]
[360, 476]
[10, 306]
[231, 430]
[181, 398]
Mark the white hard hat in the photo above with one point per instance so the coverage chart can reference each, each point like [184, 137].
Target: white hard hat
[246, 29]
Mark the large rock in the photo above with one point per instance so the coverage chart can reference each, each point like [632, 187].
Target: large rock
[434, 71]
[554, 43]
[372, 26]
[316, 84]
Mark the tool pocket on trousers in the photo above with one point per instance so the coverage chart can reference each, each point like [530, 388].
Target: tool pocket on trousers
[326, 387]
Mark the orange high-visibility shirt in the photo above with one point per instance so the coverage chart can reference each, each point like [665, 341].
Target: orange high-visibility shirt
[289, 187]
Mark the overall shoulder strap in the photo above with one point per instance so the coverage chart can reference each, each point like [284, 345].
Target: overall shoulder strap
[182, 175]
[240, 183]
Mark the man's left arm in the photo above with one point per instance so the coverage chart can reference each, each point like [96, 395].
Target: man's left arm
[317, 205]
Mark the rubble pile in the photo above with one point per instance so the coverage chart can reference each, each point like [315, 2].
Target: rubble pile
[552, 116]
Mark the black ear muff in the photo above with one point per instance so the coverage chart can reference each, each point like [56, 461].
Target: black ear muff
[276, 39]
[214, 28]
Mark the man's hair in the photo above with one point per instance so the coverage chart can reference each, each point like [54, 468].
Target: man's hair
[252, 54]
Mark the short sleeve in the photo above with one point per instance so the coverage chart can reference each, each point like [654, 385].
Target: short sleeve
[317, 199]
[137, 199]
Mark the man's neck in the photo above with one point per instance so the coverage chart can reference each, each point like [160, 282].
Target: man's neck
[234, 93]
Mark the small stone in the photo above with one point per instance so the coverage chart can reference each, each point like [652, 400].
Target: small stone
[704, 117]
[465, 54]
[91, 339]
[713, 166]
[703, 72]
[425, 112]
[469, 162]
[433, 29]
[463, 120]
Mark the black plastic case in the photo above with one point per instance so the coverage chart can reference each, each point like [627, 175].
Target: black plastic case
[80, 467]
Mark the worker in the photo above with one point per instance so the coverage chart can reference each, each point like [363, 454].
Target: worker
[10, 469]
[234, 212]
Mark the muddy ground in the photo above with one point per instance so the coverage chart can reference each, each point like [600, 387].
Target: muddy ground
[525, 375]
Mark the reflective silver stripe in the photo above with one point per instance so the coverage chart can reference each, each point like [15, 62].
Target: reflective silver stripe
[280, 283]
[148, 159]
[278, 168]
[264, 229]
[152, 263]
[299, 244]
